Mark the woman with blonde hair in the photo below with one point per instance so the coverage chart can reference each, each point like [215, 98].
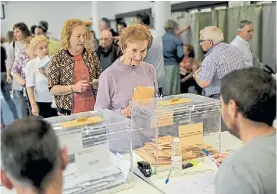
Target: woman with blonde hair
[74, 70]
[118, 82]
[36, 78]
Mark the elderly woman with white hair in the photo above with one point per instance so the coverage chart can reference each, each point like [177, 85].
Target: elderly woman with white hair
[173, 54]
[220, 59]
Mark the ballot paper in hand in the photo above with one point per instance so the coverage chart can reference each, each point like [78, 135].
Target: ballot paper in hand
[143, 93]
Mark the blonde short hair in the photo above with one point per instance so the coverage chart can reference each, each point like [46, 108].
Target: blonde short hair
[134, 32]
[212, 33]
[67, 32]
[33, 44]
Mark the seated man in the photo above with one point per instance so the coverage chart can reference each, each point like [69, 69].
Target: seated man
[220, 59]
[32, 161]
[248, 100]
[107, 51]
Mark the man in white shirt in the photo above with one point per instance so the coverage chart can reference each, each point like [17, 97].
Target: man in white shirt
[241, 41]
[155, 53]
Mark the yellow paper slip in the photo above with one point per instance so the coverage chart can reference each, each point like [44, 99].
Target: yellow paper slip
[191, 134]
[142, 93]
[174, 101]
[164, 119]
[82, 122]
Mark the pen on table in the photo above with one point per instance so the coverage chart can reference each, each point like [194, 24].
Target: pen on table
[210, 156]
[167, 179]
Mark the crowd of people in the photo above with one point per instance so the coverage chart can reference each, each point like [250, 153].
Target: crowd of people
[44, 77]
[48, 76]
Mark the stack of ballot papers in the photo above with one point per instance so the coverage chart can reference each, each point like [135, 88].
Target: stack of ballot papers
[92, 182]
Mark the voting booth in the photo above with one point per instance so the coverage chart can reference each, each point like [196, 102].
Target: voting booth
[94, 166]
[195, 119]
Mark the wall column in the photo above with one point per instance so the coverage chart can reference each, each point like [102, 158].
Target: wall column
[161, 11]
[95, 7]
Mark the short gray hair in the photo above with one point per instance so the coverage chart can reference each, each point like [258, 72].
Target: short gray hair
[242, 23]
[30, 152]
[171, 25]
[212, 33]
[107, 22]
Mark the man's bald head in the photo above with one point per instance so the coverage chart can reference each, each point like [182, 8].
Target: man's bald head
[106, 39]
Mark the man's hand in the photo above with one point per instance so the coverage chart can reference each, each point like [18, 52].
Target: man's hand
[196, 72]
[219, 157]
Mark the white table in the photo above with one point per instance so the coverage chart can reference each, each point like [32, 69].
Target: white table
[139, 188]
[228, 142]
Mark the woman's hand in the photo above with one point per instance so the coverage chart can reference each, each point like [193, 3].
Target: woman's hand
[22, 82]
[43, 71]
[81, 86]
[94, 83]
[35, 110]
[183, 71]
[219, 157]
[9, 79]
[186, 28]
[126, 112]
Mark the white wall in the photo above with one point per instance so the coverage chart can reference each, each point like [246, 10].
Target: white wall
[113, 8]
[55, 13]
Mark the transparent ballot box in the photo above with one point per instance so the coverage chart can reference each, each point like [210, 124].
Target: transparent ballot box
[99, 149]
[195, 119]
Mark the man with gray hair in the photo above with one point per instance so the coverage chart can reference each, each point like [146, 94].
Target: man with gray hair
[105, 24]
[31, 158]
[107, 51]
[220, 59]
[241, 41]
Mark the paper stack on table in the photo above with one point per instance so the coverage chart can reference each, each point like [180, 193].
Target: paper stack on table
[94, 181]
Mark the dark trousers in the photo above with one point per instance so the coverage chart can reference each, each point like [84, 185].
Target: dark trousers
[45, 110]
[190, 83]
[160, 91]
